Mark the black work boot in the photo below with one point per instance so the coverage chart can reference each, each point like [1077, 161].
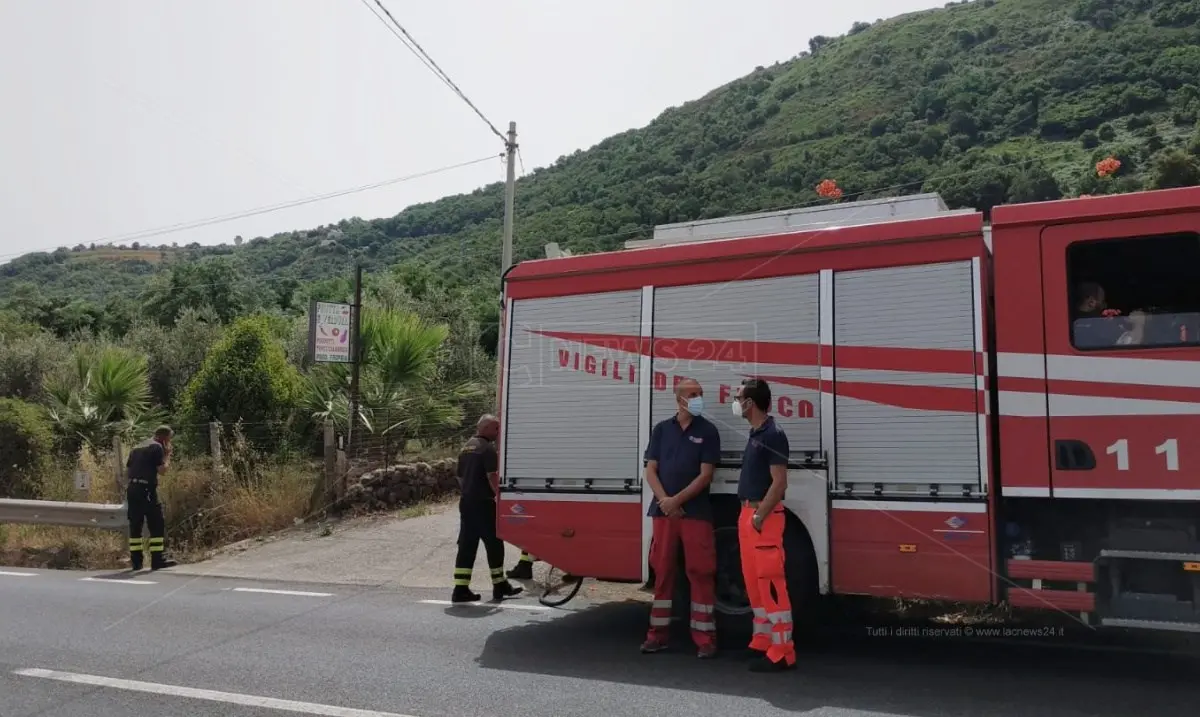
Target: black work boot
[462, 593]
[158, 562]
[135, 560]
[505, 590]
[523, 570]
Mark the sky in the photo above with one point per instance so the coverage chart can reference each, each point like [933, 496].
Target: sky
[122, 116]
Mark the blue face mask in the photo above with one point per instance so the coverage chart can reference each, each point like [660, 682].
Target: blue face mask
[695, 405]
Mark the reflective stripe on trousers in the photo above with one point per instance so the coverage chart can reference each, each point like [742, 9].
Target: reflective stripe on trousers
[660, 613]
[702, 618]
[781, 627]
[761, 637]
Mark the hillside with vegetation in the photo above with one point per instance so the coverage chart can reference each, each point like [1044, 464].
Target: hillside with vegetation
[986, 102]
[1024, 95]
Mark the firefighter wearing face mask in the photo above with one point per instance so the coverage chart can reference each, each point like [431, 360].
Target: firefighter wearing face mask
[762, 487]
[680, 460]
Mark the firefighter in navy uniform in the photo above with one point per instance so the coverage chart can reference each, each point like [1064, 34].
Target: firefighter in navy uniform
[478, 466]
[145, 464]
[762, 487]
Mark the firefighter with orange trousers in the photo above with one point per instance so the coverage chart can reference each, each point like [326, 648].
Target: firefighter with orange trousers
[680, 461]
[761, 489]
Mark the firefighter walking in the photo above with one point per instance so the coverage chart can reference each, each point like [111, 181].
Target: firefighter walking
[680, 460]
[478, 466]
[144, 465]
[761, 489]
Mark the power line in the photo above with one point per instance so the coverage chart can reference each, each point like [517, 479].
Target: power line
[414, 47]
[1068, 152]
[410, 48]
[195, 224]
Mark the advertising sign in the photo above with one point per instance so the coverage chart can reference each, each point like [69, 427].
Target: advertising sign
[329, 329]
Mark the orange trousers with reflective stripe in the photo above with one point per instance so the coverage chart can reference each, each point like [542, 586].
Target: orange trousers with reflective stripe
[766, 584]
[695, 536]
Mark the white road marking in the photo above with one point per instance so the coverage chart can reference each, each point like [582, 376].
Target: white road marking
[118, 581]
[8, 573]
[297, 593]
[505, 605]
[232, 698]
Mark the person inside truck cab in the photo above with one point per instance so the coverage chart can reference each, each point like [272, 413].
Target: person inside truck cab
[1096, 326]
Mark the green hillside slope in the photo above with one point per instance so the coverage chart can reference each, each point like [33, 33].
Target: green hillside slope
[985, 102]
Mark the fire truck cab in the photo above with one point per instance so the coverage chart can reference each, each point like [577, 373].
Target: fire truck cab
[977, 412]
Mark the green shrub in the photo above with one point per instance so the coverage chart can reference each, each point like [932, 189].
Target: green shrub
[245, 377]
[26, 447]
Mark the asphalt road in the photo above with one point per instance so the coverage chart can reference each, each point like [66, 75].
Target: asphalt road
[180, 645]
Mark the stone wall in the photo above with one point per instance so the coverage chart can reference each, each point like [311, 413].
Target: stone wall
[400, 485]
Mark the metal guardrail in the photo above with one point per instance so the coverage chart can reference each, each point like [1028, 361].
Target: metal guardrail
[105, 516]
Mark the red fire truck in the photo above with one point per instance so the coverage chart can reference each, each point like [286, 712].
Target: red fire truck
[978, 412]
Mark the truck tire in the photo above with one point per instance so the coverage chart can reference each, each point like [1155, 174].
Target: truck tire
[802, 577]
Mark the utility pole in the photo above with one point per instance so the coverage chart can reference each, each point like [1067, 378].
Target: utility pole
[355, 357]
[510, 192]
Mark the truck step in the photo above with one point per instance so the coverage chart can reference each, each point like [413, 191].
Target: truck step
[1151, 624]
[1151, 555]
[1051, 570]
[1066, 600]
[1151, 606]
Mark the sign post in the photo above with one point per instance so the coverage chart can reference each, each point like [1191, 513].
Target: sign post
[334, 333]
[83, 482]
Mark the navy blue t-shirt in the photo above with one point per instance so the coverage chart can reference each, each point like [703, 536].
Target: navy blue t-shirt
[142, 465]
[767, 446]
[679, 454]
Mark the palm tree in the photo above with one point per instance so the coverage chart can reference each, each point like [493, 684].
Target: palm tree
[403, 392]
[102, 393]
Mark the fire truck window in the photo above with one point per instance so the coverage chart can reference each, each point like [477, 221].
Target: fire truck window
[1138, 292]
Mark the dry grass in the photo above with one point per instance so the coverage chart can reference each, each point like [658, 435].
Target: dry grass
[205, 509]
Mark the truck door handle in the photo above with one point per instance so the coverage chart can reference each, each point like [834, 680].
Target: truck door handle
[1072, 455]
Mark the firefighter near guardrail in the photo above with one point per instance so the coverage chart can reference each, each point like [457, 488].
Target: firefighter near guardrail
[145, 464]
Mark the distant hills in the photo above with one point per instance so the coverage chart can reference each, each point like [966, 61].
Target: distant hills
[985, 102]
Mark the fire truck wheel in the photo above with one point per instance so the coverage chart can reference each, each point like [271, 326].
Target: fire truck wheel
[802, 579]
[732, 601]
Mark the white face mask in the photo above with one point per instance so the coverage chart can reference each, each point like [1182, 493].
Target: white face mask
[736, 407]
